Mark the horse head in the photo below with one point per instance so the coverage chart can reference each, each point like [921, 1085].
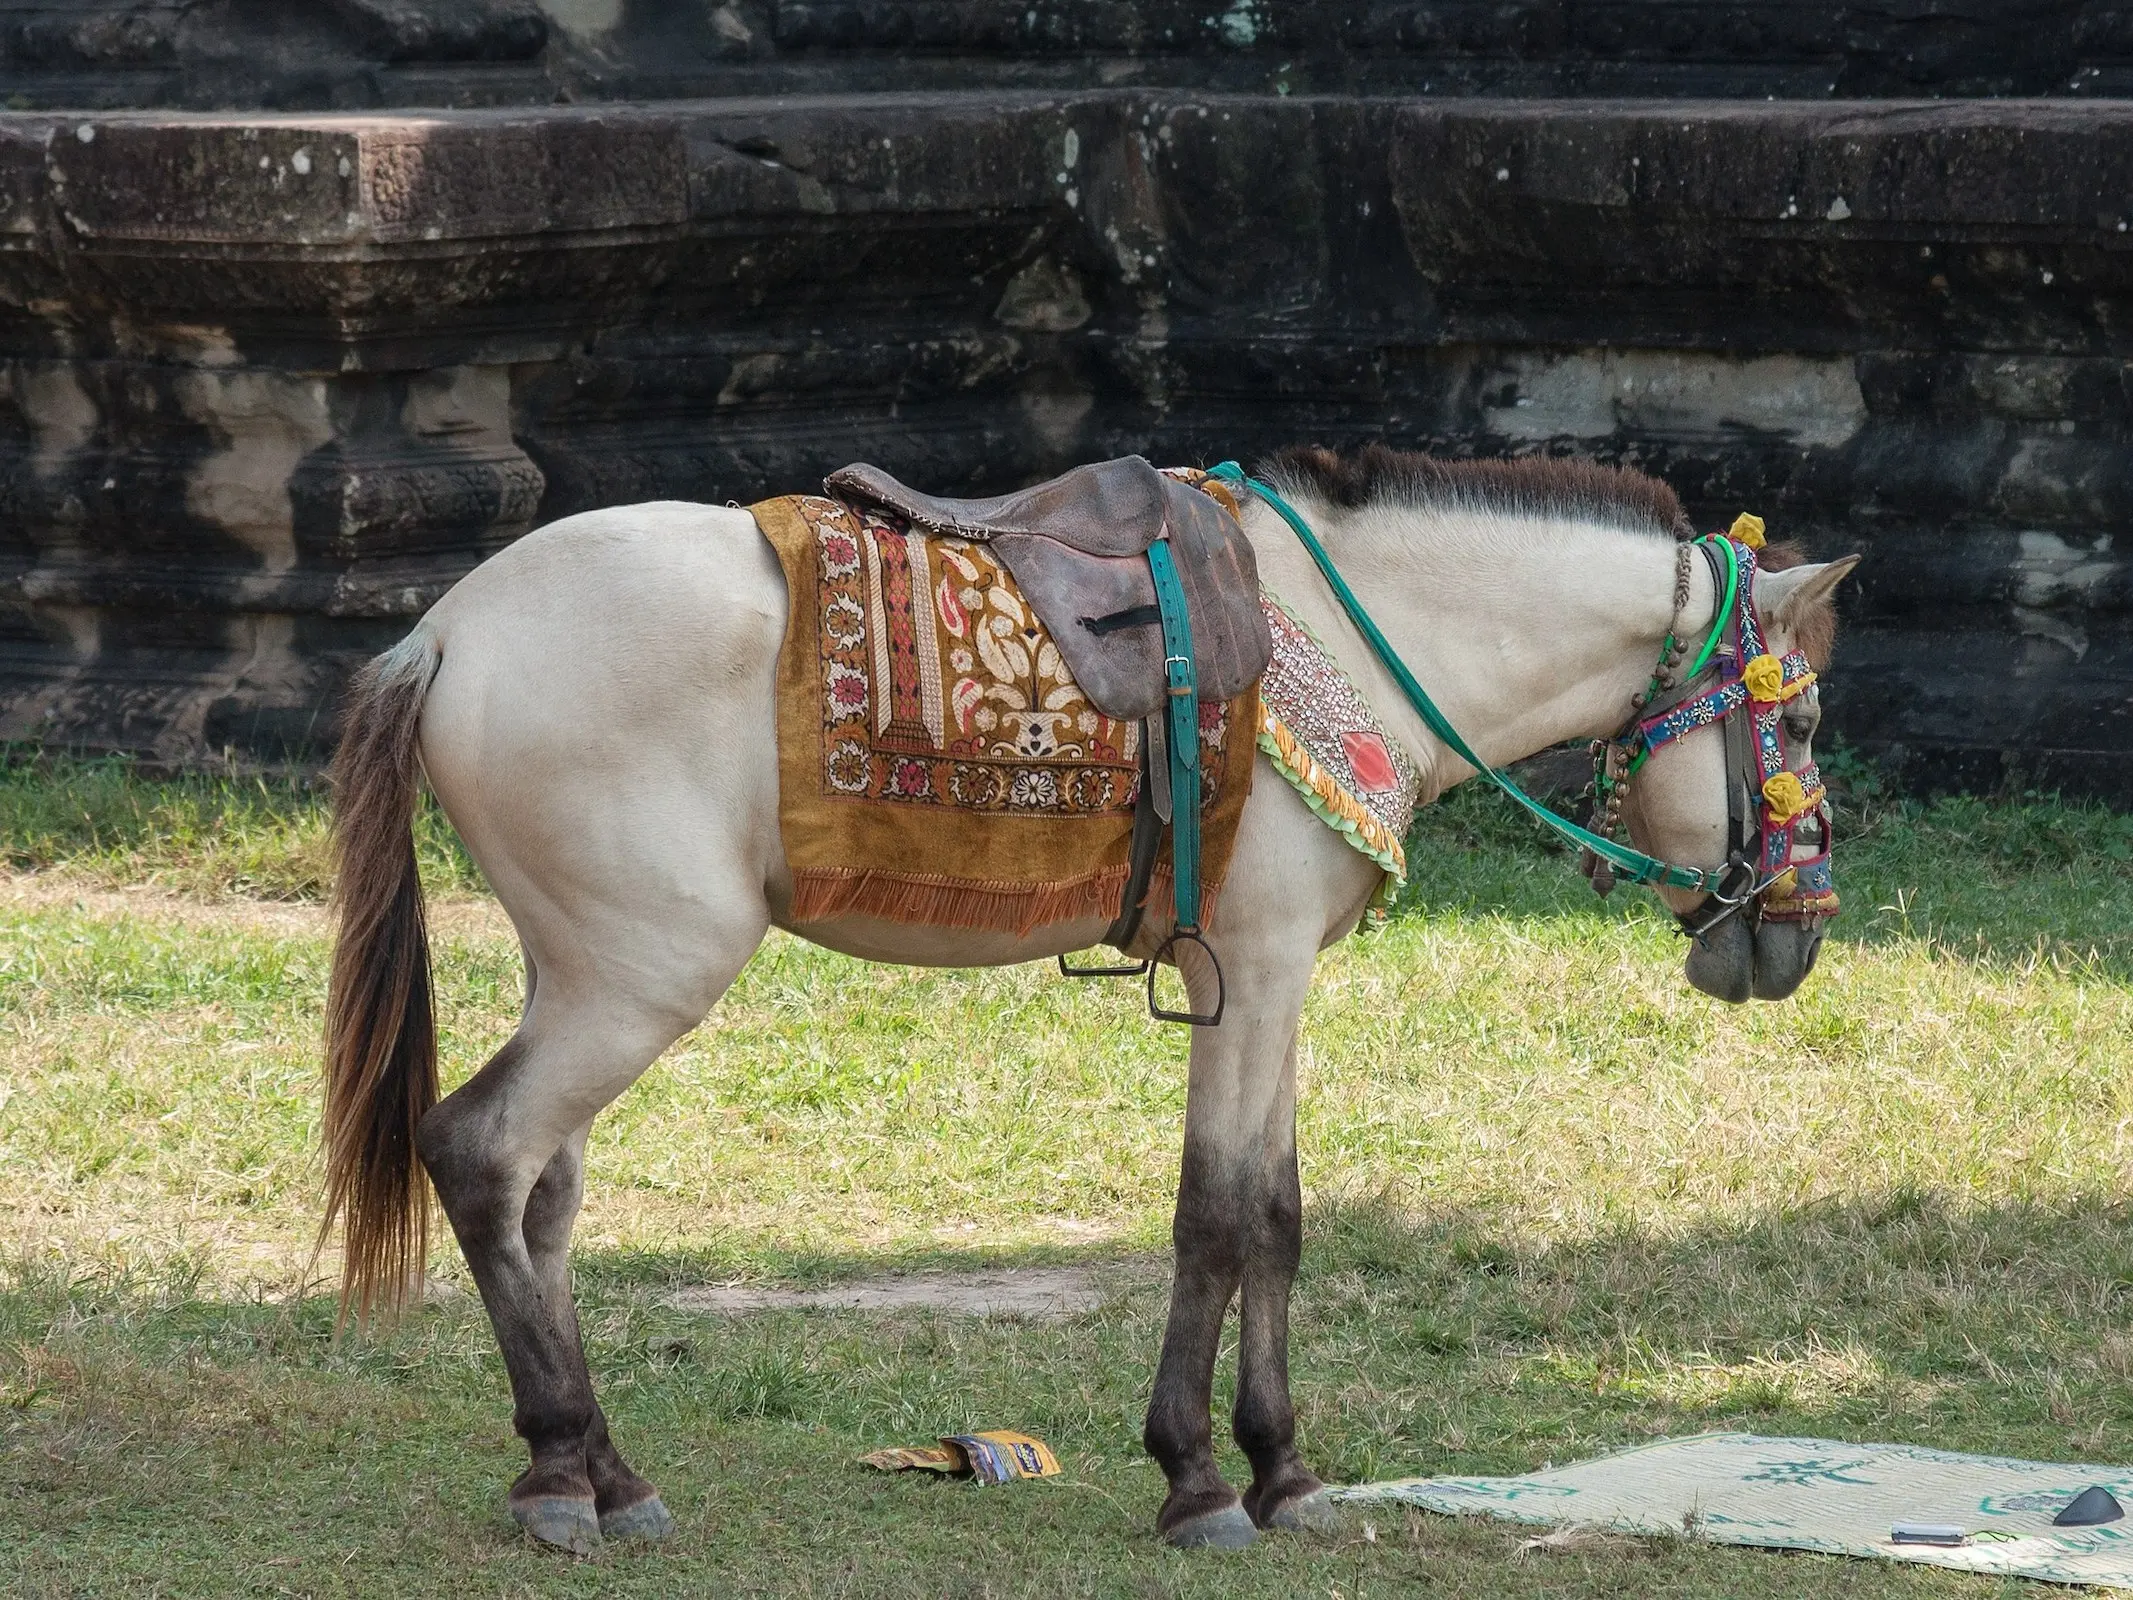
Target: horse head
[1728, 781]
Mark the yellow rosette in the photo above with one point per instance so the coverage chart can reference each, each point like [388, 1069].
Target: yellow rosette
[1747, 529]
[1765, 677]
[1785, 795]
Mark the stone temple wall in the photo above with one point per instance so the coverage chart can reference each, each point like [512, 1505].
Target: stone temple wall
[304, 308]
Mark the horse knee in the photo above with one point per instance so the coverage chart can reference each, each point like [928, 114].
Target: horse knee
[1278, 1245]
[1210, 1227]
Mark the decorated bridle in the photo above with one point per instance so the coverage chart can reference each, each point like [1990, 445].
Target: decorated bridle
[1763, 817]
[1768, 803]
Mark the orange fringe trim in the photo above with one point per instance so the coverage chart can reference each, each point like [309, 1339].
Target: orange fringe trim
[820, 894]
[1380, 839]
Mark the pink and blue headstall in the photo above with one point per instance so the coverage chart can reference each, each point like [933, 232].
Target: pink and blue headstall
[1769, 804]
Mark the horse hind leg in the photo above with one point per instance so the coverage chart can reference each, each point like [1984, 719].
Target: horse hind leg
[627, 1505]
[505, 1154]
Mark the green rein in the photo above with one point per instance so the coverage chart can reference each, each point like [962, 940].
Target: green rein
[1627, 862]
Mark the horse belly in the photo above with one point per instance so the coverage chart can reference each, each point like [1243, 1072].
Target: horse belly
[909, 944]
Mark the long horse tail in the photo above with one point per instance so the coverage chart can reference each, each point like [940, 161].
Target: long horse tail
[381, 1034]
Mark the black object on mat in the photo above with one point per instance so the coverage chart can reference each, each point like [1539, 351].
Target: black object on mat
[2093, 1505]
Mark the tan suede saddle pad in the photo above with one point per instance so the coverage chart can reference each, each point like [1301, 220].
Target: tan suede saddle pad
[938, 761]
[1078, 548]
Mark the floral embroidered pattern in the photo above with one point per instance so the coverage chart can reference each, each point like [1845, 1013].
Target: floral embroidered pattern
[941, 688]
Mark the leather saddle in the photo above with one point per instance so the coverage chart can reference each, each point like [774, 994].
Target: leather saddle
[1078, 547]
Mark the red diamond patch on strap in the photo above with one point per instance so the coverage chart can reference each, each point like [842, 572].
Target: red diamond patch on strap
[1370, 761]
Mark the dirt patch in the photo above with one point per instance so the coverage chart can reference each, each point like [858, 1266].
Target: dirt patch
[1038, 1294]
[458, 916]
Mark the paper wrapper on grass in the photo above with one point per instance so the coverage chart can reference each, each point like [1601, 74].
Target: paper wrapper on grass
[995, 1457]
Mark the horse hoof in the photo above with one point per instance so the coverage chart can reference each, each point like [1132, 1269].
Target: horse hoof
[1227, 1529]
[1311, 1513]
[567, 1523]
[647, 1519]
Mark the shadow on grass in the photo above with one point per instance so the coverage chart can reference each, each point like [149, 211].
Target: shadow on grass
[1998, 1329]
[1423, 1342]
[152, 1436]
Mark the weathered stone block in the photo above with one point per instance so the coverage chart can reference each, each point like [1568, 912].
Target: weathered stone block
[254, 418]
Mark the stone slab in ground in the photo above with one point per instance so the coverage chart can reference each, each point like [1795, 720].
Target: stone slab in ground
[1042, 1294]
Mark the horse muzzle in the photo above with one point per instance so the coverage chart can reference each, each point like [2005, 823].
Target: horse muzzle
[1746, 957]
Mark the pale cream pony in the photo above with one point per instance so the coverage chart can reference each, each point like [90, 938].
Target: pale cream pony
[593, 708]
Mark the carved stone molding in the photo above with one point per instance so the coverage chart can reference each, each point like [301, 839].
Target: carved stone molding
[270, 383]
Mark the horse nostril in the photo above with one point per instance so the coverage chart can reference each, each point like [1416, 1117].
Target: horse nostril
[1814, 954]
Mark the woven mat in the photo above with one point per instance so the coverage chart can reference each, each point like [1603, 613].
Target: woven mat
[1812, 1494]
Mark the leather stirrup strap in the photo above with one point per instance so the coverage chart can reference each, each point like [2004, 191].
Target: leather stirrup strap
[1181, 679]
[1140, 859]
[1184, 736]
[1140, 869]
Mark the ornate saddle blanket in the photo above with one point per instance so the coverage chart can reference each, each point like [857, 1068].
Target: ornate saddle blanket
[937, 762]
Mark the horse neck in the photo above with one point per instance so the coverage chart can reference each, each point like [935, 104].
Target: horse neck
[1525, 630]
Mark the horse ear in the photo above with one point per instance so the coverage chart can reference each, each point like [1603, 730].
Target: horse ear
[1791, 596]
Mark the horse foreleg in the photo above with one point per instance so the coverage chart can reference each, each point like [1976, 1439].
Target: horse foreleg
[1201, 1508]
[1283, 1488]
[1234, 1096]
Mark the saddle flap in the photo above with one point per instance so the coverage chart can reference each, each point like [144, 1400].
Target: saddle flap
[1101, 611]
[1108, 508]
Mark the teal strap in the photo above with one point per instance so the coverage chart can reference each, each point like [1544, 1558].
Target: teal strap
[1181, 678]
[1627, 862]
[1725, 607]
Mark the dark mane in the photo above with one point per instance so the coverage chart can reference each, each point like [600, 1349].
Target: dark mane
[1542, 484]
[1533, 484]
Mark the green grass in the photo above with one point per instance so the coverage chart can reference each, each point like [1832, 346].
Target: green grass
[201, 834]
[1557, 1202]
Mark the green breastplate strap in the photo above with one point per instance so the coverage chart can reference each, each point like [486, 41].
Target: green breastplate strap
[1627, 862]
